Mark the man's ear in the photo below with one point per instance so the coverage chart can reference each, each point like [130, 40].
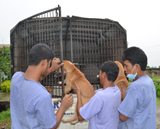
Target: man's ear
[44, 62]
[103, 74]
[137, 66]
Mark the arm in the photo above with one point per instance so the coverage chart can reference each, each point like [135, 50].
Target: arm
[122, 117]
[79, 102]
[66, 103]
[129, 105]
[55, 66]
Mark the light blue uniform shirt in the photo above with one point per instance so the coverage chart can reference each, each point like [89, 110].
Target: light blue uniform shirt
[30, 104]
[101, 110]
[139, 105]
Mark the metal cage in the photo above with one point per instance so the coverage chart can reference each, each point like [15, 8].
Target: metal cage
[86, 42]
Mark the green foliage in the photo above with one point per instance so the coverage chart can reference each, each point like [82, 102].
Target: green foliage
[5, 86]
[5, 115]
[155, 77]
[158, 100]
[148, 67]
[5, 63]
[130, 81]
[157, 89]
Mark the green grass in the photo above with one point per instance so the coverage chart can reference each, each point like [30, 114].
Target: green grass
[5, 115]
[158, 100]
[155, 78]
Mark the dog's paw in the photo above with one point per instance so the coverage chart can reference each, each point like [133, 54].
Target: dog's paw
[63, 120]
[75, 122]
[55, 102]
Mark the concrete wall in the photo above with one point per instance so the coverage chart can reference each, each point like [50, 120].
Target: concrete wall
[1, 45]
[153, 71]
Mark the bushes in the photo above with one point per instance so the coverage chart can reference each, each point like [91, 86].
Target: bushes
[157, 86]
[5, 115]
[5, 60]
[5, 86]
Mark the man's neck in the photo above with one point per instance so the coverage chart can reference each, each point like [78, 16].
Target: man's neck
[140, 74]
[108, 84]
[32, 73]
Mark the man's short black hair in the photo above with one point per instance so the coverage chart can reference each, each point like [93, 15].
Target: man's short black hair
[38, 53]
[135, 55]
[111, 69]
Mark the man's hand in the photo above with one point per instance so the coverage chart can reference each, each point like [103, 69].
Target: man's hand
[56, 63]
[67, 101]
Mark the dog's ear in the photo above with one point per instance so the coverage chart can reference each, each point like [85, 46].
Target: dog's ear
[68, 66]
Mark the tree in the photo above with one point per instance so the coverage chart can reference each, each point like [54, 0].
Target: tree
[5, 63]
[148, 67]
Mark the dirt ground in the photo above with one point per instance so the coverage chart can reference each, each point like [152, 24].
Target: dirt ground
[158, 117]
[157, 121]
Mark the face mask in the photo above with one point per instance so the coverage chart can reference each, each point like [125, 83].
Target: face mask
[132, 76]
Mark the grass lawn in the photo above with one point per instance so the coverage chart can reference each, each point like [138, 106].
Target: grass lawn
[5, 115]
[158, 100]
[5, 118]
[154, 78]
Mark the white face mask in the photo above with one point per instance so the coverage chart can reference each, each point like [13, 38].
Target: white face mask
[132, 76]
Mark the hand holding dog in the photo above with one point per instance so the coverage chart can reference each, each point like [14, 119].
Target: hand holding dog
[56, 63]
[67, 101]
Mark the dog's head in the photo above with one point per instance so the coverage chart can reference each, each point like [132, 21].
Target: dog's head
[67, 66]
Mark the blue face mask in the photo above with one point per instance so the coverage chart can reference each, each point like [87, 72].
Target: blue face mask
[132, 76]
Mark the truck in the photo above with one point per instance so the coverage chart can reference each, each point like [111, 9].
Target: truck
[86, 42]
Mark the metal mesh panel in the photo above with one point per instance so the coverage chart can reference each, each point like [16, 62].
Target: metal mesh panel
[91, 42]
[41, 28]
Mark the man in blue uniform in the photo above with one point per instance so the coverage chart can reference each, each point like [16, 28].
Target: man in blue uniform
[138, 109]
[30, 103]
[101, 110]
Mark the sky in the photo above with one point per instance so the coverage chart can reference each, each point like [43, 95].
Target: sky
[140, 18]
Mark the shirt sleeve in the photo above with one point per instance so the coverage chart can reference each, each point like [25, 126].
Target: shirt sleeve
[129, 104]
[45, 113]
[92, 107]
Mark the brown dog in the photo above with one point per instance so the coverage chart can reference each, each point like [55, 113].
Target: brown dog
[49, 89]
[75, 75]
